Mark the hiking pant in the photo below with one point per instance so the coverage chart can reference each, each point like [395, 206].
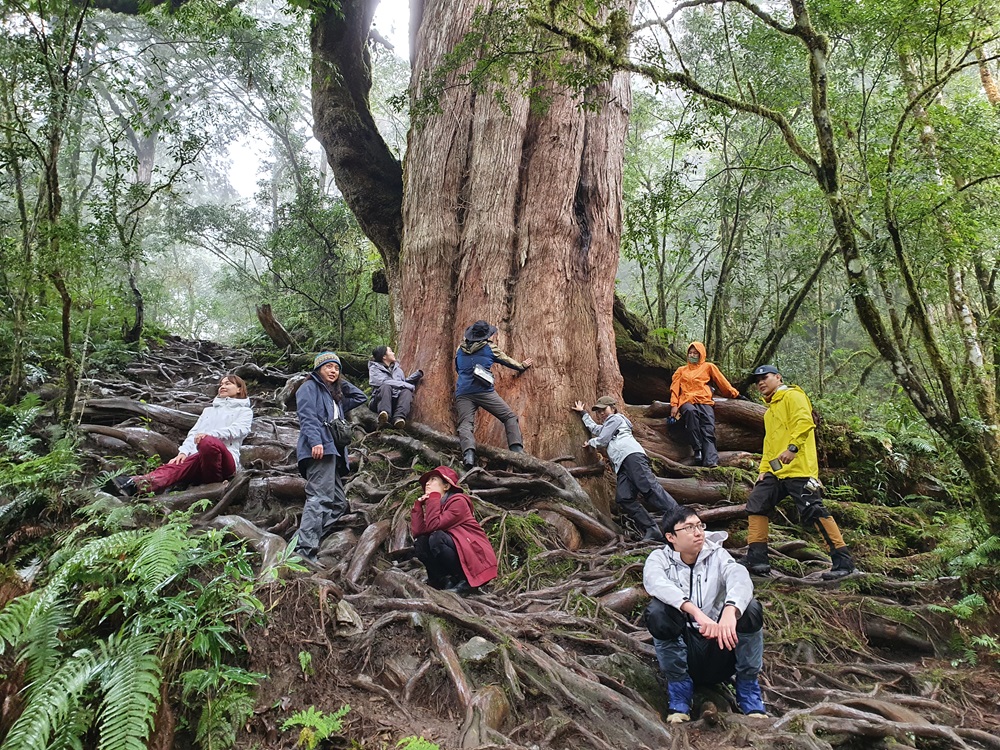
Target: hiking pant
[325, 504]
[699, 425]
[397, 405]
[635, 480]
[467, 406]
[438, 554]
[682, 651]
[211, 463]
[807, 494]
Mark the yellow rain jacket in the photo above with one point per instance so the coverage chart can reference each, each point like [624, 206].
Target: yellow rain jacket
[789, 421]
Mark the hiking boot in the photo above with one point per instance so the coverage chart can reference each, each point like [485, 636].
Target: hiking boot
[680, 695]
[843, 564]
[756, 560]
[383, 418]
[399, 423]
[469, 459]
[697, 458]
[124, 486]
[750, 698]
[516, 448]
[653, 534]
[462, 588]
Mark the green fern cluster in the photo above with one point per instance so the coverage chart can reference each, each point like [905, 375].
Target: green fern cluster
[120, 620]
[316, 726]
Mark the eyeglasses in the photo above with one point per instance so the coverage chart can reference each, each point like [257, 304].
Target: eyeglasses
[690, 528]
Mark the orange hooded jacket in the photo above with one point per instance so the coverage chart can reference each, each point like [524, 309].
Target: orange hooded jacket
[690, 382]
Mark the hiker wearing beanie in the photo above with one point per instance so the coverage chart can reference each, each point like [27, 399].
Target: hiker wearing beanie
[789, 466]
[635, 478]
[392, 392]
[474, 388]
[324, 397]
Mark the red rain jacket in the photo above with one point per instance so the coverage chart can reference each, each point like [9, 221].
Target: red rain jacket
[455, 516]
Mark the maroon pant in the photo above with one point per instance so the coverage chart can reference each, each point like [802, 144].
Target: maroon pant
[212, 463]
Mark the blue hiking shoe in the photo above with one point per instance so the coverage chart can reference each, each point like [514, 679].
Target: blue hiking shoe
[680, 694]
[750, 698]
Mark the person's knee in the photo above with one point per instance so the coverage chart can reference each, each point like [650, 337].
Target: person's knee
[752, 619]
[211, 444]
[812, 510]
[440, 542]
[663, 621]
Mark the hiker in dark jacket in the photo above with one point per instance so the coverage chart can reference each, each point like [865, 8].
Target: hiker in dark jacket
[325, 396]
[474, 388]
[635, 478]
[392, 392]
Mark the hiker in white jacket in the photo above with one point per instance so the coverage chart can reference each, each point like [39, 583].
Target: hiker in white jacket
[705, 623]
[635, 478]
[211, 451]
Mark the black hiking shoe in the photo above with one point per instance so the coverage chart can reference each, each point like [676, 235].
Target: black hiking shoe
[469, 459]
[123, 486]
[462, 588]
[756, 560]
[653, 534]
[843, 565]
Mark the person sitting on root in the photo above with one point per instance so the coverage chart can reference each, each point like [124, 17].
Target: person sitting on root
[210, 452]
[447, 538]
[323, 398]
[474, 389]
[706, 624]
[692, 404]
[789, 466]
[392, 392]
[633, 473]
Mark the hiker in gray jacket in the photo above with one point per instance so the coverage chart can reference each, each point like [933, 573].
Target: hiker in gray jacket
[706, 624]
[392, 391]
[634, 476]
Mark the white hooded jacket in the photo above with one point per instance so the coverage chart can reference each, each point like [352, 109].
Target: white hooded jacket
[714, 581]
[227, 419]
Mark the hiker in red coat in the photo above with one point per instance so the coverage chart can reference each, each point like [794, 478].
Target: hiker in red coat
[447, 538]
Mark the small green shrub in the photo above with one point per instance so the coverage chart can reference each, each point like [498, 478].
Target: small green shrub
[316, 726]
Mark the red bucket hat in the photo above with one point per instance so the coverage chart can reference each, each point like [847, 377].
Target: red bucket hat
[442, 472]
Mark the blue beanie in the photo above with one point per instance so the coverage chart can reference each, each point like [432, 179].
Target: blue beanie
[323, 357]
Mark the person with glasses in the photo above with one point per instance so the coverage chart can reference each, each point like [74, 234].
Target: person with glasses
[635, 478]
[789, 466]
[705, 622]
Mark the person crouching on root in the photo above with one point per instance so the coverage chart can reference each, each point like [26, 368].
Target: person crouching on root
[706, 624]
[210, 452]
[447, 538]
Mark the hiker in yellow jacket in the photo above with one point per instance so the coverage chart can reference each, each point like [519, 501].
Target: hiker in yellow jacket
[692, 403]
[789, 466]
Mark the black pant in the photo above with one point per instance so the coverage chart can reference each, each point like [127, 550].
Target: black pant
[397, 405]
[770, 490]
[636, 480]
[438, 554]
[699, 424]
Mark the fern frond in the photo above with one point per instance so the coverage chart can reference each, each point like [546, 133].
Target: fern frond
[15, 617]
[157, 557]
[221, 718]
[43, 645]
[51, 704]
[131, 685]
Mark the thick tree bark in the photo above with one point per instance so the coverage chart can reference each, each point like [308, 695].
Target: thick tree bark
[513, 216]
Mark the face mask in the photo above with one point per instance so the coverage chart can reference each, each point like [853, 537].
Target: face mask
[694, 359]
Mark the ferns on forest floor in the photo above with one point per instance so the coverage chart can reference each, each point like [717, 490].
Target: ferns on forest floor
[122, 614]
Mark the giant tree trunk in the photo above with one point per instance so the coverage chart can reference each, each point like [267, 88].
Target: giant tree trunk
[512, 216]
[507, 214]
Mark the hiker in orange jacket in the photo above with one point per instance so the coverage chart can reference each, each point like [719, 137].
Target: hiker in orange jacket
[691, 402]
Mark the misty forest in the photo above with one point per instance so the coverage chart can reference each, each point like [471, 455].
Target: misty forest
[197, 189]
